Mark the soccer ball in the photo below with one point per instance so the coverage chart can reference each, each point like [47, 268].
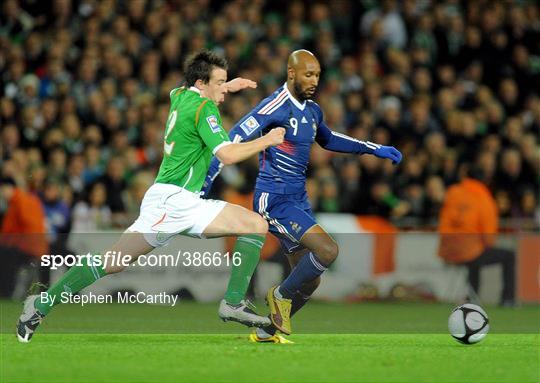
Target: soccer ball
[468, 323]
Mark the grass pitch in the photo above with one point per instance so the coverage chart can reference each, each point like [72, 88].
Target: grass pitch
[141, 343]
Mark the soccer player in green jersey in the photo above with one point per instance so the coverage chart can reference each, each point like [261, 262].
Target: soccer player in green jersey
[172, 205]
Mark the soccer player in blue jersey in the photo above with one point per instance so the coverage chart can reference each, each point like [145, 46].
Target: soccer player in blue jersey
[280, 191]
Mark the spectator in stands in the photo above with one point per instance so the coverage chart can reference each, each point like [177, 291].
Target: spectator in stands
[392, 26]
[22, 235]
[468, 226]
[434, 198]
[58, 222]
[92, 215]
[114, 183]
[510, 176]
[93, 80]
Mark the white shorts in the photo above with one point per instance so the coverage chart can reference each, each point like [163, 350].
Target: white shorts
[168, 210]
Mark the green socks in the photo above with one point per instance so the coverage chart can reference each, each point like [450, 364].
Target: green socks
[249, 247]
[73, 281]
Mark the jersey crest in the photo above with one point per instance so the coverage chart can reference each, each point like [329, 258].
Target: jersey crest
[249, 125]
[213, 123]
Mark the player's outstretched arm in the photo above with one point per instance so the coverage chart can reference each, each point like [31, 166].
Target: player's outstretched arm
[249, 127]
[236, 152]
[338, 142]
[238, 84]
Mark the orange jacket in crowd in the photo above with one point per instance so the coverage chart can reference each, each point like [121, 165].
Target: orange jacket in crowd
[468, 221]
[23, 226]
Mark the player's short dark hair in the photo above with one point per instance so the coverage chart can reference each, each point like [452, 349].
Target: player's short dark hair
[200, 66]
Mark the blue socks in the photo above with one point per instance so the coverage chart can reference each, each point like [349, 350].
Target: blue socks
[309, 268]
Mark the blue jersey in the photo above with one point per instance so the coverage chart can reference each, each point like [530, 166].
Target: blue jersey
[282, 169]
[280, 195]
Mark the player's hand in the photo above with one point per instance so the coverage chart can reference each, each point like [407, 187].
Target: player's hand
[389, 152]
[276, 136]
[238, 84]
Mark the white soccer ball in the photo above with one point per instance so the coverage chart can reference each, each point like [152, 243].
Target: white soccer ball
[468, 323]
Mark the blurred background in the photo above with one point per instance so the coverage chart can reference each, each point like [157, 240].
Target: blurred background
[452, 84]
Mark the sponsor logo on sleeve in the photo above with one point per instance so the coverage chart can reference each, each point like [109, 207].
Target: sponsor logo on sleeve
[249, 125]
[214, 124]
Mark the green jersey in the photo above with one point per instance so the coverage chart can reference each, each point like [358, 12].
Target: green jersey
[193, 134]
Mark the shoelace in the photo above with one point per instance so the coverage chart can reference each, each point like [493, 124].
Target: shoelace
[36, 319]
[249, 304]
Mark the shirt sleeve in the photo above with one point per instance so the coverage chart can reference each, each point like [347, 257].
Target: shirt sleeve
[250, 126]
[338, 142]
[210, 127]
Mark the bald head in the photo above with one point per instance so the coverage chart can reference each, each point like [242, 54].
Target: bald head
[303, 71]
[300, 58]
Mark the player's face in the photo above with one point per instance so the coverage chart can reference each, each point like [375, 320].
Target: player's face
[215, 88]
[306, 80]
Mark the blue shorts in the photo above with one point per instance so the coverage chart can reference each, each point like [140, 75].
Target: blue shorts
[288, 215]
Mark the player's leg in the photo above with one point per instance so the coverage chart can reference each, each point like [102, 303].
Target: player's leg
[82, 275]
[301, 297]
[235, 220]
[251, 230]
[307, 289]
[140, 238]
[323, 252]
[292, 217]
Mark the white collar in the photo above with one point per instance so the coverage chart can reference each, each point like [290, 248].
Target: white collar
[294, 100]
[195, 89]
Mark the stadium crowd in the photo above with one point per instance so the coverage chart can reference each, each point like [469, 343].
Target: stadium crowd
[84, 96]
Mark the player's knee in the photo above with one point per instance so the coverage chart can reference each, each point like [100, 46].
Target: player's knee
[259, 225]
[328, 252]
